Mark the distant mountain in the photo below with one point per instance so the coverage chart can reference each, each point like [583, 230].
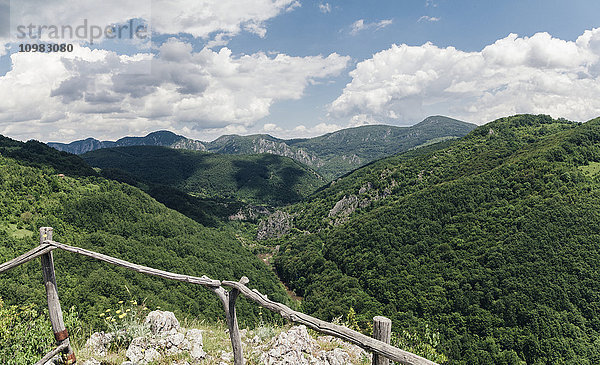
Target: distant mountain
[337, 153]
[331, 155]
[255, 179]
[490, 240]
[160, 138]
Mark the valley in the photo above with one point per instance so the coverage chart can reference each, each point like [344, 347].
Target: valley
[487, 242]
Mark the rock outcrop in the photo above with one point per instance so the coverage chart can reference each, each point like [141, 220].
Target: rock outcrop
[296, 346]
[275, 226]
[165, 338]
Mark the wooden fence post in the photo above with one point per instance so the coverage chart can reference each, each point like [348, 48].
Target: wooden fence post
[382, 331]
[56, 318]
[228, 299]
[234, 330]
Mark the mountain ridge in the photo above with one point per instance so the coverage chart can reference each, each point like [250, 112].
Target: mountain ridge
[331, 155]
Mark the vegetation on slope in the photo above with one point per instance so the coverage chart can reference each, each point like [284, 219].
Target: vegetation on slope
[337, 153]
[159, 138]
[257, 179]
[331, 155]
[121, 221]
[493, 241]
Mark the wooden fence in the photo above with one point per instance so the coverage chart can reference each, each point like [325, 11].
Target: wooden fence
[379, 346]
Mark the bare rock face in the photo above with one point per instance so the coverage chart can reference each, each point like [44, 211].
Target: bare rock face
[98, 342]
[249, 213]
[161, 322]
[346, 206]
[275, 226]
[296, 346]
[166, 338]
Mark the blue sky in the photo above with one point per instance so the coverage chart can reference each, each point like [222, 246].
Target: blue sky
[297, 68]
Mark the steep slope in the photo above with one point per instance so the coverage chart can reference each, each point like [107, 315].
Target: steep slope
[336, 153]
[118, 220]
[37, 154]
[160, 138]
[492, 241]
[257, 179]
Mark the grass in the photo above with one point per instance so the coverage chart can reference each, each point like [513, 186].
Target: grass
[14, 231]
[592, 169]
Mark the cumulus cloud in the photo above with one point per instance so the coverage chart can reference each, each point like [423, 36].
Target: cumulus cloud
[538, 74]
[300, 131]
[202, 19]
[85, 91]
[361, 25]
[427, 18]
[325, 8]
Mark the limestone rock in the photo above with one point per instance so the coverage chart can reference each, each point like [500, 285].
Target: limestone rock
[98, 343]
[160, 322]
[275, 226]
[296, 346]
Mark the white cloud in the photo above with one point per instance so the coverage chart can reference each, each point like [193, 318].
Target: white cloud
[202, 18]
[325, 8]
[428, 18]
[83, 91]
[538, 74]
[363, 119]
[300, 131]
[360, 25]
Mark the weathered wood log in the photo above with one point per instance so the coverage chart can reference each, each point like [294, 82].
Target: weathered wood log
[53, 353]
[228, 300]
[346, 334]
[54, 311]
[28, 256]
[382, 331]
[139, 268]
[234, 330]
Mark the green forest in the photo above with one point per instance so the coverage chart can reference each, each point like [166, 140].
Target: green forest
[118, 220]
[256, 179]
[493, 241]
[487, 246]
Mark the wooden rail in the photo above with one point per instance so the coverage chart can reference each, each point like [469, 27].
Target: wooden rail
[379, 346]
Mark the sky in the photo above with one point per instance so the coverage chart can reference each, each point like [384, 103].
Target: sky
[290, 68]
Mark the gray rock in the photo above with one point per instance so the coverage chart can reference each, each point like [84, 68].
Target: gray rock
[161, 322]
[275, 226]
[194, 337]
[296, 346]
[98, 343]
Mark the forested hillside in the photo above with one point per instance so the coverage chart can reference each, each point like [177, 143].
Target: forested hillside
[337, 153]
[331, 155]
[118, 220]
[257, 179]
[492, 240]
[159, 138]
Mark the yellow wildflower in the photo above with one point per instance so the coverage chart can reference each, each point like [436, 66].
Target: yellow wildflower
[101, 314]
[108, 310]
[122, 316]
[118, 311]
[120, 302]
